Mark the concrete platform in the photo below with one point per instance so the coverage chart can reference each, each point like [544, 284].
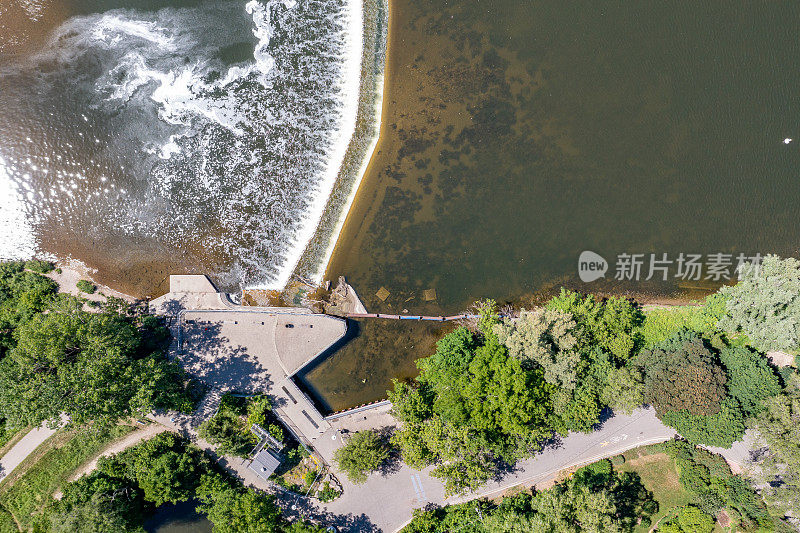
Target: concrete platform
[249, 349]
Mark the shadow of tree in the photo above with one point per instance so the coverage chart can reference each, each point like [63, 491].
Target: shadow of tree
[393, 463]
[300, 507]
[208, 355]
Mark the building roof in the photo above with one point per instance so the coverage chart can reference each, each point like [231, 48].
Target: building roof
[264, 463]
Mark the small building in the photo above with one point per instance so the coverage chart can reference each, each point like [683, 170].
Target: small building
[264, 463]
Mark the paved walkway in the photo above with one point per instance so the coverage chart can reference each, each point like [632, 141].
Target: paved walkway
[22, 449]
[386, 502]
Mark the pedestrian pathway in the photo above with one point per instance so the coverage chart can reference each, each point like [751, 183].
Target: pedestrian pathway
[21, 450]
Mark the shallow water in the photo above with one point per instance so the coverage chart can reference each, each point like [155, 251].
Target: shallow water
[156, 137]
[516, 135]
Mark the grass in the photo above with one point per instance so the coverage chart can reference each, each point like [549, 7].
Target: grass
[660, 476]
[662, 323]
[31, 486]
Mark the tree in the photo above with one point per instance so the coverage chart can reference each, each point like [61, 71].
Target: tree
[722, 428]
[363, 453]
[765, 304]
[750, 379]
[624, 390]
[778, 470]
[236, 509]
[97, 503]
[610, 324]
[471, 406]
[164, 468]
[683, 375]
[89, 366]
[544, 337]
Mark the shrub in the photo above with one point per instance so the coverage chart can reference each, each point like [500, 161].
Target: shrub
[327, 493]
[37, 265]
[618, 460]
[86, 286]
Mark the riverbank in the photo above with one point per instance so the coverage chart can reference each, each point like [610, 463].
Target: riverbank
[319, 249]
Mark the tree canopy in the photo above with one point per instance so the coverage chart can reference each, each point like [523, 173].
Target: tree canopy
[363, 453]
[471, 406]
[765, 304]
[91, 366]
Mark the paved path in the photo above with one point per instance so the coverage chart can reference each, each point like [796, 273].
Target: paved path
[386, 503]
[22, 449]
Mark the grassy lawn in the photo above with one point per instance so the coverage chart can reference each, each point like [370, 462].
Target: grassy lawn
[29, 488]
[660, 476]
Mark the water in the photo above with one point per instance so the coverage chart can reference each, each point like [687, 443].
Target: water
[160, 137]
[518, 134]
[178, 518]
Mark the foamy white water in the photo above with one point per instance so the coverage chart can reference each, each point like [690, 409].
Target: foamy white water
[349, 86]
[213, 133]
[16, 238]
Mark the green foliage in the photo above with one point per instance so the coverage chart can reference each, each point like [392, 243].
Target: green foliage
[91, 366]
[229, 431]
[720, 429]
[765, 304]
[662, 323]
[750, 379]
[471, 406]
[690, 519]
[610, 324]
[309, 478]
[594, 499]
[543, 337]
[778, 426]
[86, 286]
[709, 477]
[39, 266]
[22, 296]
[327, 493]
[164, 468]
[257, 409]
[683, 376]
[62, 455]
[236, 509]
[624, 389]
[363, 453]
[97, 503]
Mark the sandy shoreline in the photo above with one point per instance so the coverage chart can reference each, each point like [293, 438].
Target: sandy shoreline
[319, 249]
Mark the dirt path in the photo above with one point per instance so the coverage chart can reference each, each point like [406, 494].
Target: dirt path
[131, 439]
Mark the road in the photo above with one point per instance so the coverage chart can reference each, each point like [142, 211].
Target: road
[386, 502]
[22, 449]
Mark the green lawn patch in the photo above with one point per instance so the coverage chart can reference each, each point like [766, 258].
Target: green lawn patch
[25, 492]
[660, 476]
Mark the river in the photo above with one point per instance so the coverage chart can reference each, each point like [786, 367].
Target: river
[154, 137]
[516, 135]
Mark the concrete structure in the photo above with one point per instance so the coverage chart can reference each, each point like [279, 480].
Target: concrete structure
[250, 349]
